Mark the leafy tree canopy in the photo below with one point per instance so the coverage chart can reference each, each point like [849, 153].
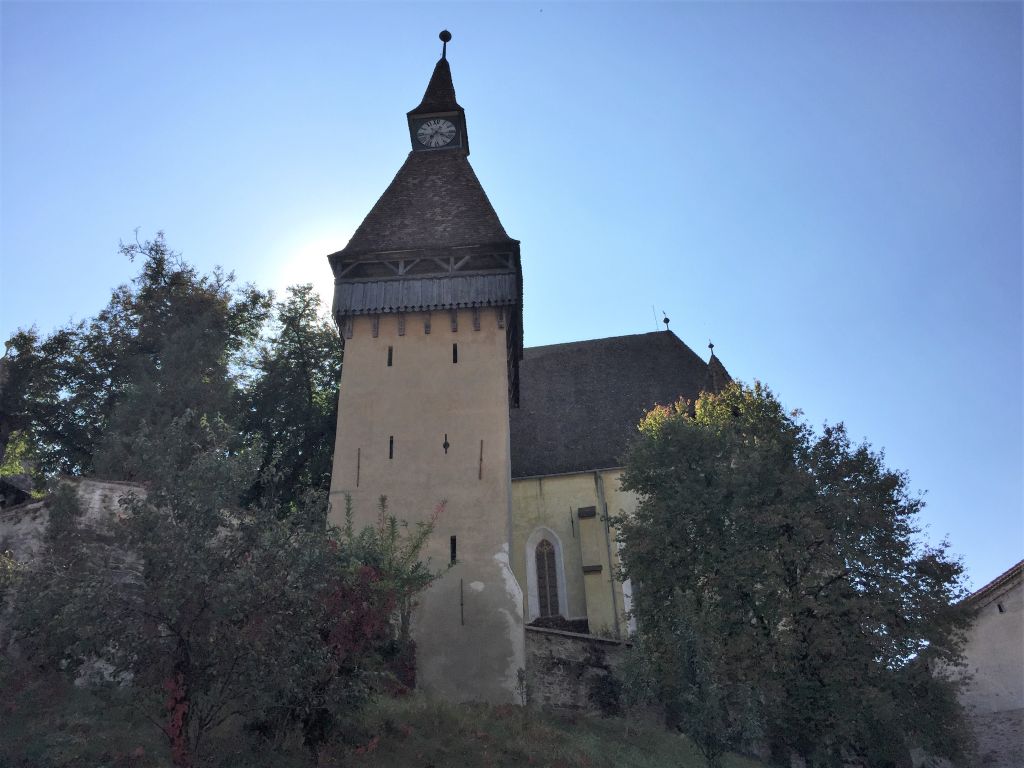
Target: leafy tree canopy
[170, 341]
[173, 341]
[784, 599]
[291, 401]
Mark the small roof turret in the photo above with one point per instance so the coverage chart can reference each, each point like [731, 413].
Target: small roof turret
[438, 122]
[718, 377]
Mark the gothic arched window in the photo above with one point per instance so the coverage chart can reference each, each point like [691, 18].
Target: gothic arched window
[547, 581]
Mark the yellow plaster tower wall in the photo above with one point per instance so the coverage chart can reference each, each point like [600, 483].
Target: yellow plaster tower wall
[393, 421]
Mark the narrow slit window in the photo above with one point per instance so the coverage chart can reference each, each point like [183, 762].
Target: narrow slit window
[547, 582]
[391, 447]
[1001, 607]
[454, 551]
[391, 355]
[455, 353]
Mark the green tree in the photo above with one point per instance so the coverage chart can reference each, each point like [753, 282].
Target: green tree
[394, 551]
[292, 399]
[51, 398]
[173, 340]
[187, 338]
[217, 614]
[782, 592]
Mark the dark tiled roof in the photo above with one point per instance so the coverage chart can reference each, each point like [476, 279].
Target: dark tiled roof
[440, 93]
[580, 402]
[434, 201]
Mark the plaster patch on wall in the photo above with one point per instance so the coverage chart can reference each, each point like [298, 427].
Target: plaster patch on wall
[516, 632]
[511, 583]
[476, 586]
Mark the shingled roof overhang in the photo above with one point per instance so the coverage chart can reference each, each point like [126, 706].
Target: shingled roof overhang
[580, 403]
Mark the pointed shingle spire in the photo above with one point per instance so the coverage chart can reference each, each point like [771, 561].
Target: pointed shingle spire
[440, 93]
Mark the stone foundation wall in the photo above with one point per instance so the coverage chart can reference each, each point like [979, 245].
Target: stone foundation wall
[23, 527]
[1000, 737]
[565, 670]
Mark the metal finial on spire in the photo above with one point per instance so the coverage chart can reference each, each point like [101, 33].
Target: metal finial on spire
[445, 36]
[665, 319]
[711, 346]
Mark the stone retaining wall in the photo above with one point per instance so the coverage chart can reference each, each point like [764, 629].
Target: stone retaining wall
[23, 527]
[565, 670]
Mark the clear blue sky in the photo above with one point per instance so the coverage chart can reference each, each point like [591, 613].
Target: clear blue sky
[831, 192]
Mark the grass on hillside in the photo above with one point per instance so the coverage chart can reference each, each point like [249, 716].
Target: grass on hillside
[417, 733]
[59, 726]
[47, 723]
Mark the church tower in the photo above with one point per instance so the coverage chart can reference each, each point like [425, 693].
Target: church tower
[428, 298]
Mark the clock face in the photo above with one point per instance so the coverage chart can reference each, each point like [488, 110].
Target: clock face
[436, 132]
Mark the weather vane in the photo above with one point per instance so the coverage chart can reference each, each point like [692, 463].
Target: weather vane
[711, 346]
[445, 37]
